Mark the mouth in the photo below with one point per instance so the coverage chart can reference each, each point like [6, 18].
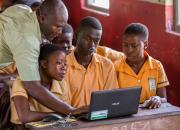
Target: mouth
[61, 75]
[91, 50]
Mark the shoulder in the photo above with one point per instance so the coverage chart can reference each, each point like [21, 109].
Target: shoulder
[155, 63]
[105, 64]
[102, 60]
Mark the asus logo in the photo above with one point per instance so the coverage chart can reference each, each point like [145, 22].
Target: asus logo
[115, 104]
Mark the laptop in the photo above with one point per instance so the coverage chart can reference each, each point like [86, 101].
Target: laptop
[113, 103]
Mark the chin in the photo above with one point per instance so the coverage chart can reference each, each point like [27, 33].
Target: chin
[131, 59]
[59, 79]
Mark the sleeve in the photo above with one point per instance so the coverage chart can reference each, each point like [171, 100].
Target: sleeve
[25, 50]
[162, 78]
[116, 66]
[18, 89]
[109, 53]
[111, 80]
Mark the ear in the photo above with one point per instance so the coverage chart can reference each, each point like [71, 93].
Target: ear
[43, 64]
[145, 44]
[75, 38]
[40, 16]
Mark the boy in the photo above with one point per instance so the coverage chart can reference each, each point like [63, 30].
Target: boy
[88, 71]
[64, 40]
[137, 68]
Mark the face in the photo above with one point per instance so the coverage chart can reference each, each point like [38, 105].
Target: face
[64, 41]
[51, 25]
[87, 40]
[56, 65]
[133, 47]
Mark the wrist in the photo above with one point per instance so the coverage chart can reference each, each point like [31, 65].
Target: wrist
[163, 100]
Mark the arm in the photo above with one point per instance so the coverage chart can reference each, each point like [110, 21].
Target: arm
[36, 90]
[161, 92]
[161, 97]
[156, 101]
[23, 110]
[52, 101]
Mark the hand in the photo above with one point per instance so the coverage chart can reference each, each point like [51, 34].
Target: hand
[153, 102]
[81, 110]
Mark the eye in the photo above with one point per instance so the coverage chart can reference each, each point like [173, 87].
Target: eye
[135, 46]
[96, 40]
[87, 38]
[58, 62]
[125, 45]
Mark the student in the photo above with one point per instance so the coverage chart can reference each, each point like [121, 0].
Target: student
[21, 34]
[137, 68]
[88, 71]
[52, 63]
[65, 39]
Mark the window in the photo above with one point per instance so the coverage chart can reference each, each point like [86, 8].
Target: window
[98, 6]
[177, 15]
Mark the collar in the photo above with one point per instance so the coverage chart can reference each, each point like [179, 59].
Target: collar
[148, 63]
[73, 62]
[25, 7]
[57, 87]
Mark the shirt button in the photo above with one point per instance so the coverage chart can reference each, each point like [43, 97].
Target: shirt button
[139, 81]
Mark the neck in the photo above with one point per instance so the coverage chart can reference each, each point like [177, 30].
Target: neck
[137, 62]
[46, 81]
[136, 65]
[82, 59]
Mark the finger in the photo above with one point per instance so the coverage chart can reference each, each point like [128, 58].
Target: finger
[148, 103]
[159, 104]
[154, 104]
[153, 101]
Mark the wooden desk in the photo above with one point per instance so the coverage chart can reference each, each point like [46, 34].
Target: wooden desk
[165, 118]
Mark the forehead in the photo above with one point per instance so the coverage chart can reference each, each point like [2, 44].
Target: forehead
[58, 17]
[131, 38]
[57, 55]
[66, 35]
[89, 31]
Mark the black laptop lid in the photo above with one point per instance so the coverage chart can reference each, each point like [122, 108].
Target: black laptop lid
[113, 103]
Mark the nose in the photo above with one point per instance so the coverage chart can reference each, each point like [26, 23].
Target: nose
[59, 30]
[129, 49]
[92, 44]
[64, 66]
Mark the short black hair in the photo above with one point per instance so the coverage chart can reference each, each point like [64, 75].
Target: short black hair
[51, 6]
[137, 29]
[67, 28]
[47, 49]
[89, 21]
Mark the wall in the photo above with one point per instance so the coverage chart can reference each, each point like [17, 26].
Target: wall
[163, 45]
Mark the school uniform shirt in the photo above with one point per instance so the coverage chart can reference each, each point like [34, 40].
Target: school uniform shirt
[109, 53]
[150, 77]
[20, 41]
[58, 88]
[100, 75]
